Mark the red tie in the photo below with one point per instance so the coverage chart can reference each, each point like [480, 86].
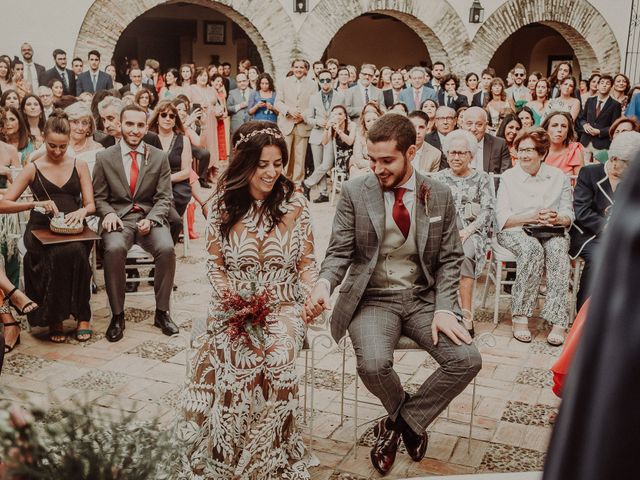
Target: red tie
[133, 178]
[400, 213]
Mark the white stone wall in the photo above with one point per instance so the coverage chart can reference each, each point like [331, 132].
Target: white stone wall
[79, 25]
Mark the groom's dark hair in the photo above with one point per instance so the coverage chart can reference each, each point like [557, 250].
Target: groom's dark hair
[393, 126]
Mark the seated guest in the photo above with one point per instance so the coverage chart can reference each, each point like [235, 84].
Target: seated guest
[623, 124]
[166, 122]
[533, 193]
[508, 131]
[526, 116]
[11, 297]
[109, 110]
[474, 201]
[428, 158]
[593, 198]
[445, 124]
[448, 96]
[429, 107]
[134, 208]
[57, 277]
[399, 108]
[565, 153]
[493, 154]
[360, 164]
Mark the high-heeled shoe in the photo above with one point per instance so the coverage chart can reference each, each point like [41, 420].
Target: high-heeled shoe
[467, 322]
[9, 348]
[521, 334]
[24, 309]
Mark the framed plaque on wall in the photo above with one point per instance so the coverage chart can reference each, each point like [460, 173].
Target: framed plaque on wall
[215, 33]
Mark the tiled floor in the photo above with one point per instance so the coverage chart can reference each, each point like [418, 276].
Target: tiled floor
[144, 373]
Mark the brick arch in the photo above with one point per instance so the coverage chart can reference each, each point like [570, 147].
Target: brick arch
[107, 19]
[434, 21]
[584, 28]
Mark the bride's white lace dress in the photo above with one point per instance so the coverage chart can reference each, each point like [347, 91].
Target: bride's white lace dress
[241, 401]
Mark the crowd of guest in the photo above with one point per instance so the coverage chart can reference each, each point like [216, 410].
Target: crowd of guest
[60, 127]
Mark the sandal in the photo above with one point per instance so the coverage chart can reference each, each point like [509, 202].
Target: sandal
[28, 308]
[56, 334]
[467, 322]
[83, 334]
[554, 338]
[523, 334]
[9, 348]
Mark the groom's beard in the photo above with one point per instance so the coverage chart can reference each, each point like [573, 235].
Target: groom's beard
[399, 178]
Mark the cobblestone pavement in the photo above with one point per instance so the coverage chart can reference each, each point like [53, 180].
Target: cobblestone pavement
[144, 373]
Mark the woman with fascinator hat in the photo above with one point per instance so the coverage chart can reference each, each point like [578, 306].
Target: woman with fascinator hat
[241, 399]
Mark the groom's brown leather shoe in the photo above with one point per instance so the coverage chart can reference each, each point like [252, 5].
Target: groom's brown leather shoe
[383, 453]
[416, 444]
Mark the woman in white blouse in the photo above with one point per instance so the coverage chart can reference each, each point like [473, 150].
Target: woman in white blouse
[533, 193]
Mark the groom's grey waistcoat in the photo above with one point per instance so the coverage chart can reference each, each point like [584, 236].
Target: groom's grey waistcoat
[358, 235]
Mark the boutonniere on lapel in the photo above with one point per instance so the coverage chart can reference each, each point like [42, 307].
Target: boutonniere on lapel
[146, 155]
[423, 195]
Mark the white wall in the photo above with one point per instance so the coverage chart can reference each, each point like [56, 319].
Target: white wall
[50, 24]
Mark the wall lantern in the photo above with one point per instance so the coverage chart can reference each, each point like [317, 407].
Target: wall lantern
[300, 6]
[476, 13]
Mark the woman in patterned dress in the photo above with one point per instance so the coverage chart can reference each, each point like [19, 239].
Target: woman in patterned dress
[242, 396]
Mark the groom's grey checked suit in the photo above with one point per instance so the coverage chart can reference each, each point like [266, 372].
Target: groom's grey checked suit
[393, 287]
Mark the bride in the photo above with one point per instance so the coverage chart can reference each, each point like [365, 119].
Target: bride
[241, 400]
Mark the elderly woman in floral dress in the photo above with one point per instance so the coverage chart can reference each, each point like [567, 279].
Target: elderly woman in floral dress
[474, 201]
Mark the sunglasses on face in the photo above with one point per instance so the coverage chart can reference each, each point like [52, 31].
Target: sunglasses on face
[519, 74]
[171, 116]
[325, 80]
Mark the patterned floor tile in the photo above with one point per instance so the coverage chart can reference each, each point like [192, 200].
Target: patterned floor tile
[505, 458]
[430, 362]
[535, 377]
[20, 364]
[368, 439]
[137, 315]
[525, 414]
[171, 398]
[329, 379]
[155, 350]
[345, 476]
[545, 348]
[98, 380]
[190, 260]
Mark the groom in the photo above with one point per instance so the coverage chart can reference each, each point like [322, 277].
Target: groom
[395, 230]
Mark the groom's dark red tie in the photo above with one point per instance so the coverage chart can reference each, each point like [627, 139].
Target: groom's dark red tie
[400, 213]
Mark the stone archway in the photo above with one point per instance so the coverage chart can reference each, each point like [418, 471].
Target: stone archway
[584, 28]
[449, 45]
[107, 19]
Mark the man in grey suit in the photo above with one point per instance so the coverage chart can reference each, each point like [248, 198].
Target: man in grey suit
[363, 92]
[132, 185]
[418, 91]
[317, 115]
[238, 101]
[493, 154]
[93, 80]
[395, 230]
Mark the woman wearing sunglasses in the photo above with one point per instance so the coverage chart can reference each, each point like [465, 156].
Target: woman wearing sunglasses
[167, 124]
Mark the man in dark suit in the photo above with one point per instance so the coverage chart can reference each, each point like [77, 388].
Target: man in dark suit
[448, 94]
[445, 121]
[404, 267]
[135, 75]
[32, 71]
[482, 96]
[392, 95]
[132, 185]
[93, 80]
[493, 154]
[60, 72]
[599, 113]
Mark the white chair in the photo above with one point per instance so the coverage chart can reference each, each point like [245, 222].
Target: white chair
[337, 178]
[498, 256]
[185, 234]
[138, 257]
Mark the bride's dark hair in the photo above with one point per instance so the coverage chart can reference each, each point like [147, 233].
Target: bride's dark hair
[235, 200]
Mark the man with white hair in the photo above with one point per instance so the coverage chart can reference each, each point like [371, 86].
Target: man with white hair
[445, 122]
[593, 198]
[493, 154]
[46, 97]
[418, 92]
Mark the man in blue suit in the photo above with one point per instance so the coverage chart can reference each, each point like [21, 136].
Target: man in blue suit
[418, 91]
[93, 80]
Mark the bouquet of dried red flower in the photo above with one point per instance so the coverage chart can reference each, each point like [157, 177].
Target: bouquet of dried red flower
[244, 314]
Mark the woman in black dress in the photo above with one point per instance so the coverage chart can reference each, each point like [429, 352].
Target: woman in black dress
[166, 122]
[56, 276]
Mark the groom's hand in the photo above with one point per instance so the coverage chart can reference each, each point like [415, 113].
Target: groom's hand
[447, 323]
[317, 301]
